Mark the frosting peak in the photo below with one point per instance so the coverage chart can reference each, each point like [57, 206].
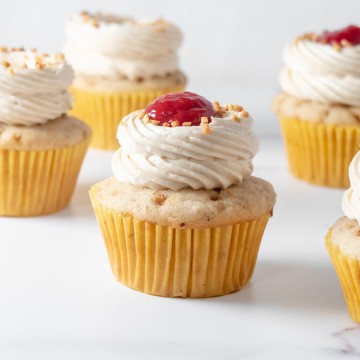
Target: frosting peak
[351, 198]
[322, 72]
[105, 45]
[186, 156]
[33, 87]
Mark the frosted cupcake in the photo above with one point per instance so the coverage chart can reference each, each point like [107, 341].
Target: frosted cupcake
[41, 148]
[343, 242]
[182, 216]
[121, 65]
[319, 109]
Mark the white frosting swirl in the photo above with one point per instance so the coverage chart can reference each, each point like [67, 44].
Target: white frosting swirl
[161, 157]
[33, 88]
[318, 72]
[122, 47]
[351, 198]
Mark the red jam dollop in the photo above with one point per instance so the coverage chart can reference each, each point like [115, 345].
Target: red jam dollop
[350, 34]
[185, 107]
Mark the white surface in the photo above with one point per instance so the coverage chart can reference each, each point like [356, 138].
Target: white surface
[59, 299]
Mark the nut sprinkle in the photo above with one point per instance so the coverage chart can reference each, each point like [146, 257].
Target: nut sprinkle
[90, 19]
[18, 59]
[234, 111]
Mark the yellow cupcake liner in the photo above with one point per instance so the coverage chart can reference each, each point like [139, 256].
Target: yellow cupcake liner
[103, 111]
[38, 182]
[320, 153]
[348, 271]
[174, 262]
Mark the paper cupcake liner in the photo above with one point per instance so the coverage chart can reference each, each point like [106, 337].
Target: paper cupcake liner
[320, 153]
[103, 111]
[173, 262]
[348, 271]
[38, 182]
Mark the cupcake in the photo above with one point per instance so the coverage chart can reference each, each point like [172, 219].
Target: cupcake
[319, 109]
[182, 216]
[121, 65]
[41, 148]
[343, 242]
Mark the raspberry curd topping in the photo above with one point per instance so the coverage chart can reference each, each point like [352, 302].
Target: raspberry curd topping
[185, 107]
[350, 35]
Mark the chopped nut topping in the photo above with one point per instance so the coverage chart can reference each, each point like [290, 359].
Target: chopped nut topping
[206, 128]
[244, 114]
[6, 64]
[95, 23]
[3, 49]
[174, 123]
[85, 15]
[204, 120]
[231, 107]
[225, 107]
[239, 108]
[17, 49]
[33, 50]
[87, 18]
[155, 122]
[307, 36]
[24, 66]
[141, 114]
[220, 113]
[216, 105]
[146, 119]
[235, 118]
[166, 124]
[186, 123]
[39, 65]
[336, 46]
[59, 57]
[11, 71]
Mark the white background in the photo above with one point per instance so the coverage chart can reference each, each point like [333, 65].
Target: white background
[231, 49]
[58, 298]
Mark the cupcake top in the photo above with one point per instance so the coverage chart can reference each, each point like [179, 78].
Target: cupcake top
[182, 140]
[110, 46]
[33, 87]
[324, 67]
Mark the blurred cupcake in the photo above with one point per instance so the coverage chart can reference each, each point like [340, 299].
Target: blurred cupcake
[121, 65]
[41, 149]
[343, 242]
[320, 108]
[183, 217]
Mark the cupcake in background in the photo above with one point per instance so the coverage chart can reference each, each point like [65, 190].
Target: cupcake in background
[319, 109]
[121, 64]
[182, 216]
[41, 148]
[343, 242]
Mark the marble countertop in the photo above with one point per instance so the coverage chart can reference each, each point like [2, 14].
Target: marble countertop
[59, 300]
